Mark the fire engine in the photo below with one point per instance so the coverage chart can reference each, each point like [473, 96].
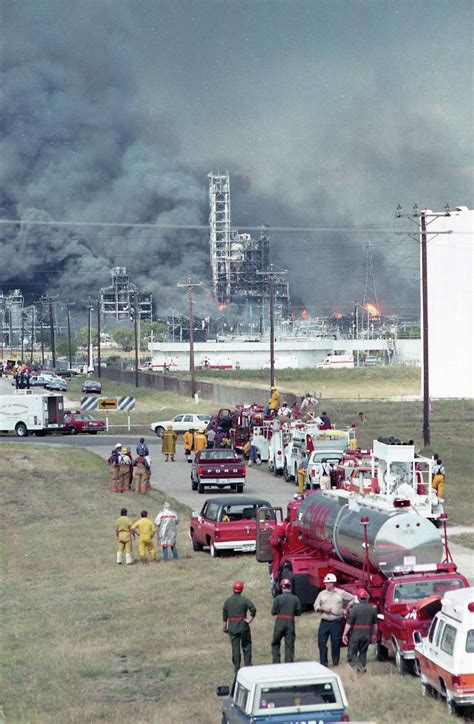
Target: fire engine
[397, 556]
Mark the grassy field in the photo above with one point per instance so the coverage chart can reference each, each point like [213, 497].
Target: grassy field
[86, 640]
[360, 383]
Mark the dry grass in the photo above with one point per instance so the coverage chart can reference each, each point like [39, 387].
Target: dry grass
[85, 640]
[463, 539]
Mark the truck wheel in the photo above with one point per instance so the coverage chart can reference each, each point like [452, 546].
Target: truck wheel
[402, 665]
[426, 689]
[200, 488]
[240, 488]
[215, 552]
[286, 474]
[194, 485]
[381, 652]
[21, 430]
[159, 431]
[271, 466]
[452, 708]
[196, 545]
[72, 430]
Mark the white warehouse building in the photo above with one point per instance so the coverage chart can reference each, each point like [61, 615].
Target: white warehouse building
[450, 303]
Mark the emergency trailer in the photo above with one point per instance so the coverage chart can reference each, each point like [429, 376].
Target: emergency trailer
[445, 658]
[24, 412]
[397, 556]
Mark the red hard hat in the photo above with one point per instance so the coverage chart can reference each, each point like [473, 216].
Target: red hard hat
[285, 583]
[238, 586]
[362, 593]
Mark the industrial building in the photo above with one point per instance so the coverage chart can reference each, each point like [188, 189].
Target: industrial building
[239, 263]
[118, 300]
[12, 317]
[450, 302]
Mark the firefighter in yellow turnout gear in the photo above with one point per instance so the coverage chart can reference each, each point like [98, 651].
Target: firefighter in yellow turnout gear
[146, 530]
[124, 537]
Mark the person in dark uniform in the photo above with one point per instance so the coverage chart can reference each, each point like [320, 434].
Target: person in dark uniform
[358, 631]
[237, 613]
[285, 607]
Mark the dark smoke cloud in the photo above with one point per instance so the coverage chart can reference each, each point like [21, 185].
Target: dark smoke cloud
[325, 114]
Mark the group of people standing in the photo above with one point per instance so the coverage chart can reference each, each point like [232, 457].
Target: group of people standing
[164, 527]
[335, 606]
[128, 473]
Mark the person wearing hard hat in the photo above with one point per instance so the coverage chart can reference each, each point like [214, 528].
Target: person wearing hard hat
[124, 465]
[274, 401]
[285, 607]
[332, 604]
[200, 441]
[358, 631]
[237, 613]
[123, 533]
[113, 461]
[168, 444]
[146, 530]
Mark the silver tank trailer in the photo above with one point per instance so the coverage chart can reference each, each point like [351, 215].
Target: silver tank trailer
[395, 539]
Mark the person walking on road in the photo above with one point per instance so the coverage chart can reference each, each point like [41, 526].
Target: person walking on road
[331, 604]
[123, 533]
[146, 530]
[285, 607]
[358, 631]
[188, 442]
[237, 613]
[168, 446]
[166, 522]
[142, 447]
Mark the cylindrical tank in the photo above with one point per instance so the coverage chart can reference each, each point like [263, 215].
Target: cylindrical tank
[395, 539]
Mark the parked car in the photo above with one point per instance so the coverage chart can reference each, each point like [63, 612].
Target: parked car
[63, 373]
[92, 386]
[304, 691]
[181, 423]
[445, 658]
[75, 422]
[226, 523]
[218, 468]
[57, 383]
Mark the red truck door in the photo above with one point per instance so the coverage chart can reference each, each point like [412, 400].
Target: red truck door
[267, 518]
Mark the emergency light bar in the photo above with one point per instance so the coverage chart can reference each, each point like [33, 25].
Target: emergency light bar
[425, 568]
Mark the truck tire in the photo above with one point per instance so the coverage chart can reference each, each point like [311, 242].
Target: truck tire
[402, 665]
[286, 474]
[200, 488]
[215, 552]
[381, 652]
[196, 545]
[21, 430]
[72, 430]
[159, 431]
[240, 488]
[194, 485]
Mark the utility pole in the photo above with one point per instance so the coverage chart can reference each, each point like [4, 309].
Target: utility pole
[135, 329]
[424, 316]
[69, 340]
[189, 286]
[42, 333]
[51, 327]
[99, 365]
[22, 336]
[89, 337]
[33, 316]
[356, 319]
[272, 276]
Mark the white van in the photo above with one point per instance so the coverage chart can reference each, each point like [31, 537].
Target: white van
[445, 658]
[27, 411]
[337, 361]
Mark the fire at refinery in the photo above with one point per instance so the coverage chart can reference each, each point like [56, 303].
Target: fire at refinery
[304, 314]
[372, 310]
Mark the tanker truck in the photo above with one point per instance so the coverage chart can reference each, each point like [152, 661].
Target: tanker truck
[396, 555]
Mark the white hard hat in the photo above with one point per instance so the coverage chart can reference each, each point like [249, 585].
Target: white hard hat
[119, 444]
[330, 578]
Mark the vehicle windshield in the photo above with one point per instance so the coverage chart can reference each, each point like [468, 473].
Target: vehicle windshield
[244, 512]
[203, 417]
[416, 590]
[218, 455]
[299, 695]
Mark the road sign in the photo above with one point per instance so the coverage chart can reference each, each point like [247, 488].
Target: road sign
[126, 403]
[107, 403]
[89, 403]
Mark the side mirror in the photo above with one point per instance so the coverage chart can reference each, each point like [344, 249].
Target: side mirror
[417, 637]
[222, 691]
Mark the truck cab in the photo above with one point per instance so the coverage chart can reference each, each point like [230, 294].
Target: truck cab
[281, 693]
[445, 657]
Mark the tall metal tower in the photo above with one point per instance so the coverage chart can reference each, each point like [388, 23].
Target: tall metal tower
[220, 236]
[370, 291]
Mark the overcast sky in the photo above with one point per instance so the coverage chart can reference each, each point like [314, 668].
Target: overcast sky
[324, 113]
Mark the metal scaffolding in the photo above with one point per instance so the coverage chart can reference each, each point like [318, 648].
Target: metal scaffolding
[116, 300]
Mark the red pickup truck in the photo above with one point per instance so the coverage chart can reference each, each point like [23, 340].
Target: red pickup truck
[226, 523]
[218, 468]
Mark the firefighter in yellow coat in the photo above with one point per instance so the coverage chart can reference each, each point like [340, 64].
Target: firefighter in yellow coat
[274, 401]
[146, 530]
[124, 537]
[188, 442]
[168, 446]
[200, 440]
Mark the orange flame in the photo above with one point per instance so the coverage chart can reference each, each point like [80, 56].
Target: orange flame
[304, 314]
[221, 307]
[372, 310]
[337, 315]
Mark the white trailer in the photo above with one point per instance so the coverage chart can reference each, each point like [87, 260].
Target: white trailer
[24, 412]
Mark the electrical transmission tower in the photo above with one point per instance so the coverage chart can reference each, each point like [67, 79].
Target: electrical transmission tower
[370, 290]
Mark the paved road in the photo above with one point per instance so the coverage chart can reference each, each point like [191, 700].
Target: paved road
[174, 478]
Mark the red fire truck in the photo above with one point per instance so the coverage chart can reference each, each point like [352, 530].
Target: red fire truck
[398, 556]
